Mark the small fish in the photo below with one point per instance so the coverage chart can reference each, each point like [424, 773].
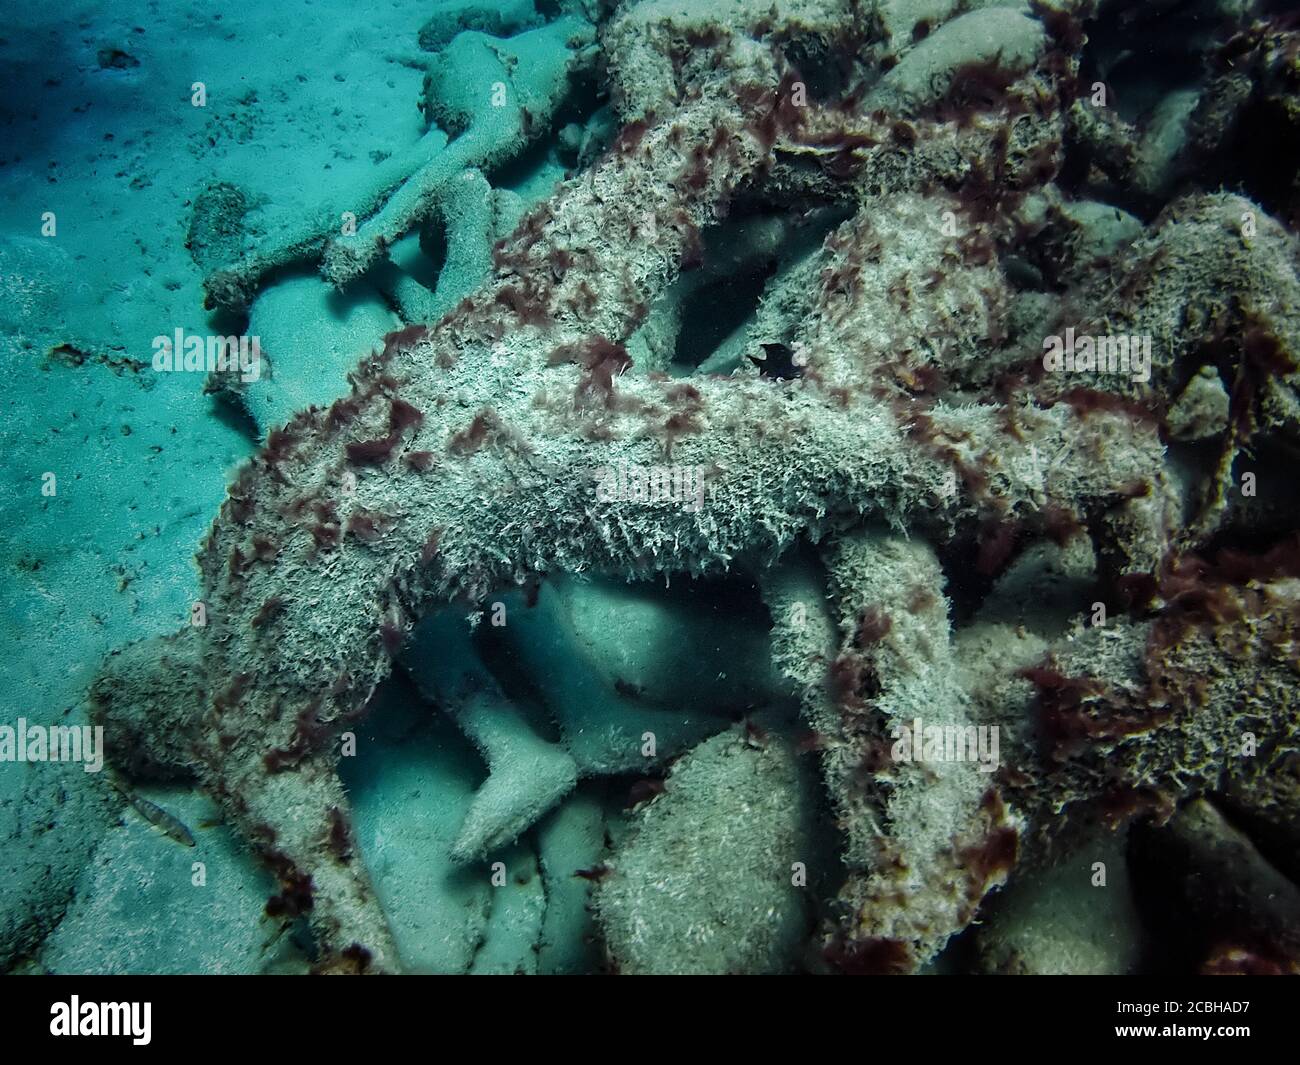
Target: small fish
[156, 815]
[779, 362]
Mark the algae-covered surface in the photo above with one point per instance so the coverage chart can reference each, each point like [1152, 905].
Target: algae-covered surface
[650, 486]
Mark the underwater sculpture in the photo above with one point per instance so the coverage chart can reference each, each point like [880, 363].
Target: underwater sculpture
[895, 410]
